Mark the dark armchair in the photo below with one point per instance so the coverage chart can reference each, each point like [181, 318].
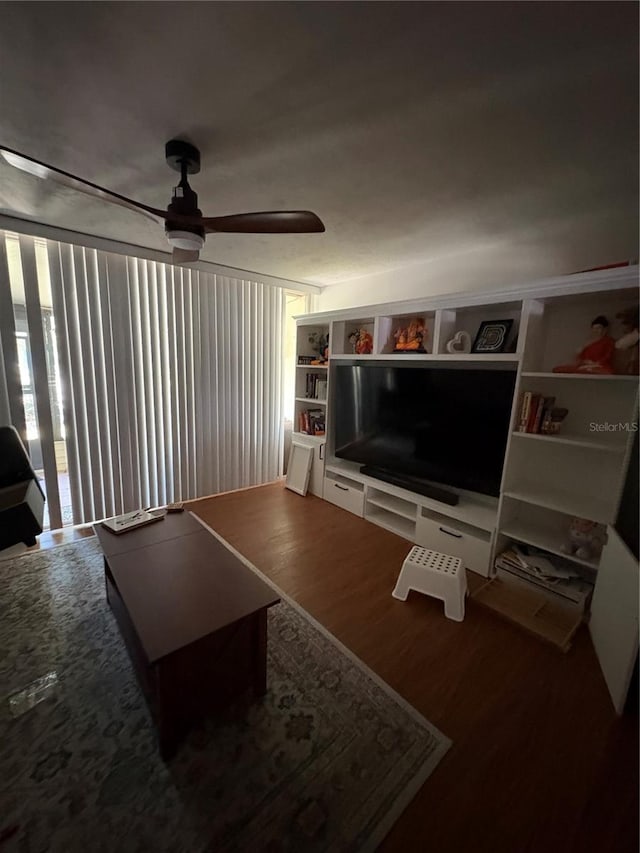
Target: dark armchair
[21, 496]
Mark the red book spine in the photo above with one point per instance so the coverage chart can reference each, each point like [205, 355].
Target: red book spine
[535, 402]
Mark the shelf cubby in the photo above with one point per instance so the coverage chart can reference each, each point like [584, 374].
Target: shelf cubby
[342, 330]
[597, 409]
[469, 319]
[560, 325]
[541, 527]
[390, 503]
[567, 477]
[386, 327]
[306, 348]
[390, 520]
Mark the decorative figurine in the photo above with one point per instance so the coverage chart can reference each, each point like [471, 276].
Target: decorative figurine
[460, 342]
[363, 343]
[492, 336]
[586, 539]
[597, 355]
[411, 338]
[627, 345]
[320, 343]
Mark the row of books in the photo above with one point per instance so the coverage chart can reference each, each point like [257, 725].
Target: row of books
[316, 386]
[312, 422]
[535, 412]
[310, 359]
[561, 582]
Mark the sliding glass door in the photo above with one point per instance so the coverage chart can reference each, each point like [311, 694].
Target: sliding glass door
[135, 383]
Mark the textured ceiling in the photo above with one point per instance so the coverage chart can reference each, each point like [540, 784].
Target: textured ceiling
[415, 130]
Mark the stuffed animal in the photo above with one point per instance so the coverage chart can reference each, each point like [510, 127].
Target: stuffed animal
[586, 539]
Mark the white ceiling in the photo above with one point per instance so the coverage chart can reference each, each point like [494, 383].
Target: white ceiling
[415, 130]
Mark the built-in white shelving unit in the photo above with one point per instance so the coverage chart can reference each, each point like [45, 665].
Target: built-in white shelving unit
[547, 479]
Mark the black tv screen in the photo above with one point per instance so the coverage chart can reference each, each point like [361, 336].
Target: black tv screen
[442, 424]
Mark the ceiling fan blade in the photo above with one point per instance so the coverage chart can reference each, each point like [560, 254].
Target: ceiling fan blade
[267, 222]
[184, 256]
[42, 170]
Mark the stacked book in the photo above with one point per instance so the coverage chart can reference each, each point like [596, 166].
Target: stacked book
[560, 583]
[535, 411]
[312, 422]
[316, 386]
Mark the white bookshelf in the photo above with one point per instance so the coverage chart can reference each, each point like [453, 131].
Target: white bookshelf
[303, 403]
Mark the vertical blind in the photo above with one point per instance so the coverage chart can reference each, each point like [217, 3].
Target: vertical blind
[171, 379]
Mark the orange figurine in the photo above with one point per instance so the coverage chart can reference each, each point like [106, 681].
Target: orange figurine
[412, 338]
[597, 355]
[364, 343]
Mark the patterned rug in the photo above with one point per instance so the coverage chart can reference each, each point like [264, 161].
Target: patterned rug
[326, 761]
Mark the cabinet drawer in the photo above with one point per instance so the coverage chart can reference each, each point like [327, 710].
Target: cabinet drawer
[473, 550]
[344, 496]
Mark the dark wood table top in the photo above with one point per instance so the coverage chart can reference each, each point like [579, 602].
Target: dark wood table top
[172, 525]
[177, 590]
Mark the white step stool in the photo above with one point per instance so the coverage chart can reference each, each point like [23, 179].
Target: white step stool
[435, 574]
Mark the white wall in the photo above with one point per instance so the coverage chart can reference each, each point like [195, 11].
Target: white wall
[476, 271]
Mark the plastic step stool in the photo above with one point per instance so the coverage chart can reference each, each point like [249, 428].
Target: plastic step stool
[432, 573]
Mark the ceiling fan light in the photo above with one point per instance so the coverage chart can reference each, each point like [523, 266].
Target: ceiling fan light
[185, 240]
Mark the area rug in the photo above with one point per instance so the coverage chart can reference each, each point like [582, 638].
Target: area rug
[326, 761]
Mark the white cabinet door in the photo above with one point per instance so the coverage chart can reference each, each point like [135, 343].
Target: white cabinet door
[316, 482]
[614, 617]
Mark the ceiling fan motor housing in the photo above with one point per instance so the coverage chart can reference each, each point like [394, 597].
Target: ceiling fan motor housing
[184, 203]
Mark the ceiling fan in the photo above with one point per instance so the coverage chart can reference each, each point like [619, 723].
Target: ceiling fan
[184, 224]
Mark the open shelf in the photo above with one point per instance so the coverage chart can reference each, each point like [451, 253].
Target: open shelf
[472, 508]
[391, 521]
[469, 319]
[393, 504]
[576, 440]
[566, 502]
[316, 439]
[311, 400]
[549, 538]
[312, 366]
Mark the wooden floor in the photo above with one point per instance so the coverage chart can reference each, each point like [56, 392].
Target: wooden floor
[539, 760]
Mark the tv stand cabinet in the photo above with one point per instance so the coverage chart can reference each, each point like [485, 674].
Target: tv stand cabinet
[466, 530]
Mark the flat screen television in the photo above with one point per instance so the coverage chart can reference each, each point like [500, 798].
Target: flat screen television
[445, 425]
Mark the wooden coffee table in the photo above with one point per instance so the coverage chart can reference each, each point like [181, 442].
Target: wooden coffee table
[193, 618]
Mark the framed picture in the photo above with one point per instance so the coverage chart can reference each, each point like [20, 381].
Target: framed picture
[492, 336]
[299, 468]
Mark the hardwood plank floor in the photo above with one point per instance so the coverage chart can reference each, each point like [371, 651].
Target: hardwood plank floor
[539, 760]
